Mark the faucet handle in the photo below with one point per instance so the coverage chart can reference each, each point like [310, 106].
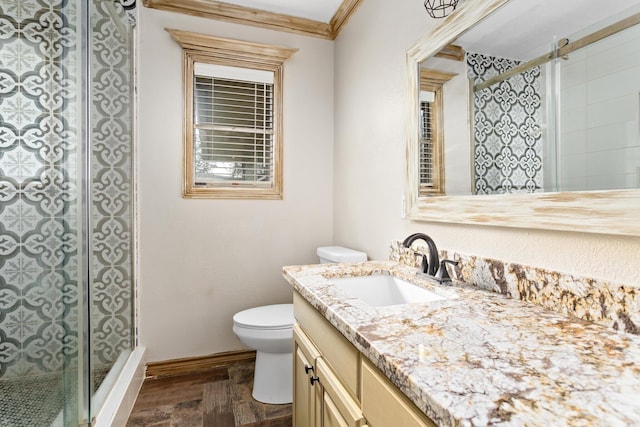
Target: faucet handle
[424, 265]
[442, 275]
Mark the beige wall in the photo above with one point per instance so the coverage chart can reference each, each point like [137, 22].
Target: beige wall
[370, 152]
[203, 260]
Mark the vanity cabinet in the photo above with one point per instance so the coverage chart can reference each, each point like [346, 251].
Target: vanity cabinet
[335, 386]
[339, 409]
[325, 384]
[385, 405]
[306, 396]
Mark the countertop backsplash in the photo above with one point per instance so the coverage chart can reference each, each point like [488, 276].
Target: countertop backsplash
[613, 305]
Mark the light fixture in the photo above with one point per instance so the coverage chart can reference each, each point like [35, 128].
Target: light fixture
[440, 8]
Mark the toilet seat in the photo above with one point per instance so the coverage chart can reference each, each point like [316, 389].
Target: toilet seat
[268, 317]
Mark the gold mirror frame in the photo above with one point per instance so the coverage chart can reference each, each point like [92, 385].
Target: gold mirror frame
[608, 212]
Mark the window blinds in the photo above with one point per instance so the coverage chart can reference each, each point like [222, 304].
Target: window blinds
[233, 126]
[426, 144]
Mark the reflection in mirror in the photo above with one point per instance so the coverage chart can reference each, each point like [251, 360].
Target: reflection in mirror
[544, 98]
[593, 121]
[454, 117]
[431, 170]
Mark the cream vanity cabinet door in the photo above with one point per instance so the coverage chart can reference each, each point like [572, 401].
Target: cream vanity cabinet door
[332, 416]
[384, 405]
[338, 408]
[320, 399]
[307, 396]
[339, 353]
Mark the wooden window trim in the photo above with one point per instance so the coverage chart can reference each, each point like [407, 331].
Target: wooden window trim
[215, 50]
[433, 81]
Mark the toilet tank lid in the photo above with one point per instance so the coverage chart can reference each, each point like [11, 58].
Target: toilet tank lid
[340, 254]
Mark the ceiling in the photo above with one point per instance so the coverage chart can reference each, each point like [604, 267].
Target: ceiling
[317, 10]
[524, 29]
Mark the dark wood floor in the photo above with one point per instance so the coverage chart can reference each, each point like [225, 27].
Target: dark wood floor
[220, 397]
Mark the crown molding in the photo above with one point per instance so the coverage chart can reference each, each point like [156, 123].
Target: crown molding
[342, 15]
[259, 18]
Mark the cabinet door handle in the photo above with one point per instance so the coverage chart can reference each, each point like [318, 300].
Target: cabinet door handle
[307, 369]
[314, 380]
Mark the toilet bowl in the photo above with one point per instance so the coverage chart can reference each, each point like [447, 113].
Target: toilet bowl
[269, 331]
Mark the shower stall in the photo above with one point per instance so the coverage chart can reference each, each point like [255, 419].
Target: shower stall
[66, 206]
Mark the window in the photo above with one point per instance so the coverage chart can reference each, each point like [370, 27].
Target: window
[428, 165]
[232, 117]
[431, 158]
[232, 128]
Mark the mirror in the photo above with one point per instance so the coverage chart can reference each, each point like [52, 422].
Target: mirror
[514, 124]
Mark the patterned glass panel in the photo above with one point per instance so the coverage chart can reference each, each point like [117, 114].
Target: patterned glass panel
[507, 128]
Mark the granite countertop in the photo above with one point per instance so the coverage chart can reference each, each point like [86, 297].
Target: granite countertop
[481, 358]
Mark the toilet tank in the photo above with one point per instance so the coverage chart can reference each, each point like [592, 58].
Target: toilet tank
[339, 254]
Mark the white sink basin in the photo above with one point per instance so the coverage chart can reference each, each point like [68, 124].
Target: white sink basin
[383, 290]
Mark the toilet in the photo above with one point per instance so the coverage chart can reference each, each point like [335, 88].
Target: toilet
[269, 331]
[329, 254]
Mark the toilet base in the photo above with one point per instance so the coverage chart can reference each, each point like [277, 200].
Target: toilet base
[273, 378]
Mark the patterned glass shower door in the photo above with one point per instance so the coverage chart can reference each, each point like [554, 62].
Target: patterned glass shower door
[53, 254]
[111, 127]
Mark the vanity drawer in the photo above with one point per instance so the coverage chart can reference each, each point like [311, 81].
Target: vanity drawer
[342, 357]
